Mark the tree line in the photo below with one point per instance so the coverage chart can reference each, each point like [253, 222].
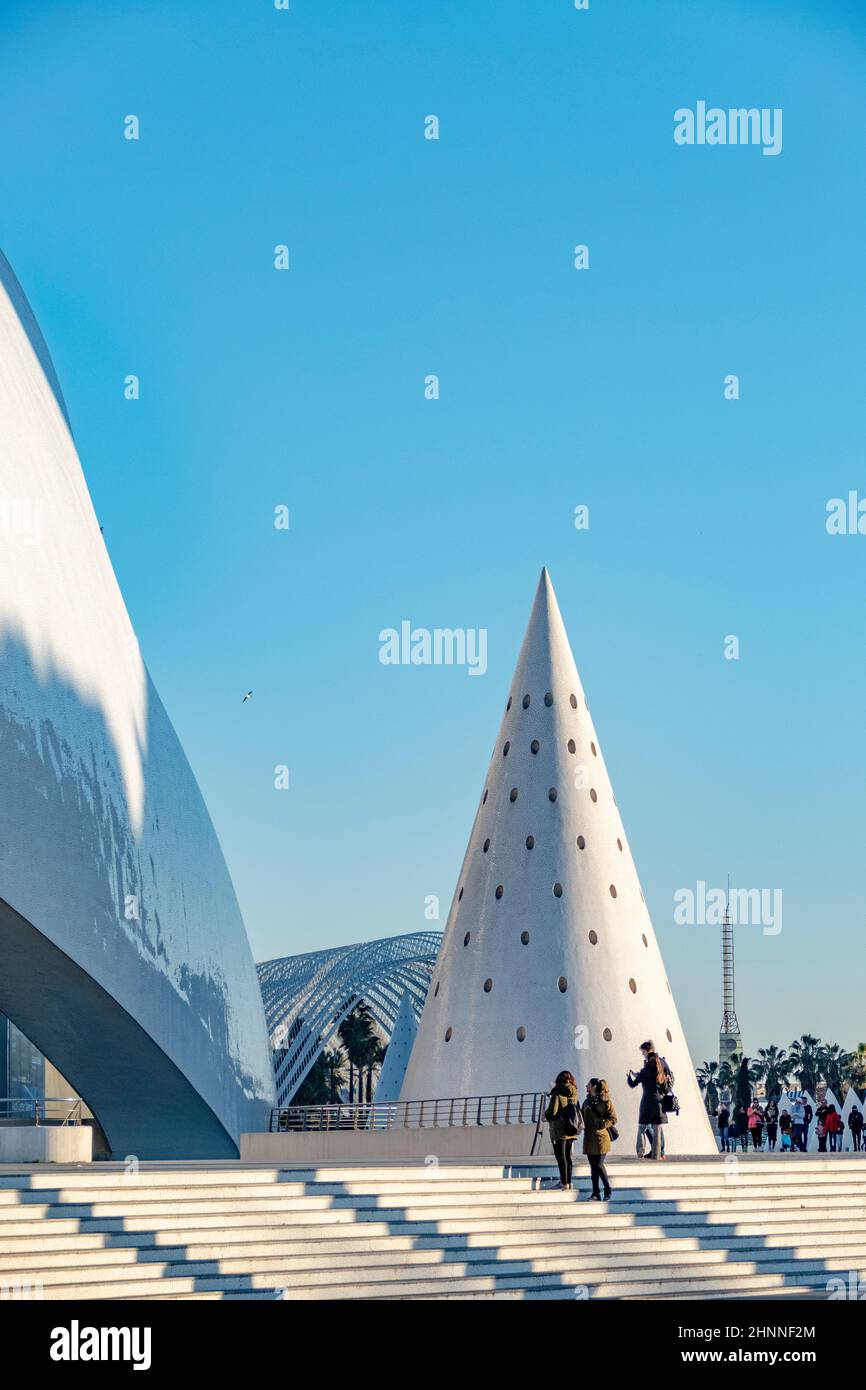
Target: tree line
[351, 1063]
[806, 1063]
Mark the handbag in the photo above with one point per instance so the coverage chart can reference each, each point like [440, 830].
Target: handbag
[613, 1132]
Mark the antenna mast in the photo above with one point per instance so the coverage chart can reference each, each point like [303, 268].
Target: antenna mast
[730, 1041]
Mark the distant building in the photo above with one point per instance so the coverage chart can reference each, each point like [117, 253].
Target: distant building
[306, 997]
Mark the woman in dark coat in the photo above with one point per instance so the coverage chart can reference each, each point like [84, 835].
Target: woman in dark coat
[771, 1115]
[742, 1117]
[598, 1117]
[652, 1078]
[561, 1107]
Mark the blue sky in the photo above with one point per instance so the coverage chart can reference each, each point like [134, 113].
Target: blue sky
[558, 387]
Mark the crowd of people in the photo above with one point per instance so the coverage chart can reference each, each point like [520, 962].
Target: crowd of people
[765, 1125]
[759, 1125]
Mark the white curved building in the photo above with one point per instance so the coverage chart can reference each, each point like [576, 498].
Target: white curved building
[549, 960]
[123, 954]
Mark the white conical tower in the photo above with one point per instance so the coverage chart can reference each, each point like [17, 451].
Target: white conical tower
[851, 1102]
[400, 1046]
[549, 961]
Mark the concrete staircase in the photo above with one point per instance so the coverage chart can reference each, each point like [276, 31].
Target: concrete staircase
[760, 1226]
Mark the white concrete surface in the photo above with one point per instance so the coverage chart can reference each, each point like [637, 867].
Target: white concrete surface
[46, 1144]
[513, 1142]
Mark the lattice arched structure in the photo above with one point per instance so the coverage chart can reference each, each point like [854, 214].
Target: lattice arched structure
[307, 997]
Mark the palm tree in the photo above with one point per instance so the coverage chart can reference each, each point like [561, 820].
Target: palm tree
[313, 1090]
[834, 1062]
[371, 1057]
[334, 1061]
[736, 1062]
[349, 1033]
[804, 1062]
[744, 1084]
[857, 1069]
[370, 1043]
[725, 1077]
[773, 1068]
[707, 1074]
[380, 1054]
[355, 1032]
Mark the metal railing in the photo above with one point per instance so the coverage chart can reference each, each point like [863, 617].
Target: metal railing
[521, 1108]
[52, 1110]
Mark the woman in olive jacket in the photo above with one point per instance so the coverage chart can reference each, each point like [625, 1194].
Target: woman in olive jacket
[563, 1094]
[598, 1117]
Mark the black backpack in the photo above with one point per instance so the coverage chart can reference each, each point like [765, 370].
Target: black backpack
[572, 1120]
[669, 1102]
[568, 1114]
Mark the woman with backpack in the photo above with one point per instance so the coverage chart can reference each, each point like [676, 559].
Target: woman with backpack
[741, 1115]
[855, 1124]
[565, 1123]
[599, 1128]
[651, 1116]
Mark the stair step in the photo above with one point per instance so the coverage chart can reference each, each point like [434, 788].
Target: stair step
[289, 1236]
[577, 1266]
[267, 1255]
[763, 1227]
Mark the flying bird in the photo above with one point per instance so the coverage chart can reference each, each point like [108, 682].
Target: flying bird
[248, 696]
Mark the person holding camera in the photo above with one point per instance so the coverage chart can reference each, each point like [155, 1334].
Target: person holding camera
[652, 1079]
